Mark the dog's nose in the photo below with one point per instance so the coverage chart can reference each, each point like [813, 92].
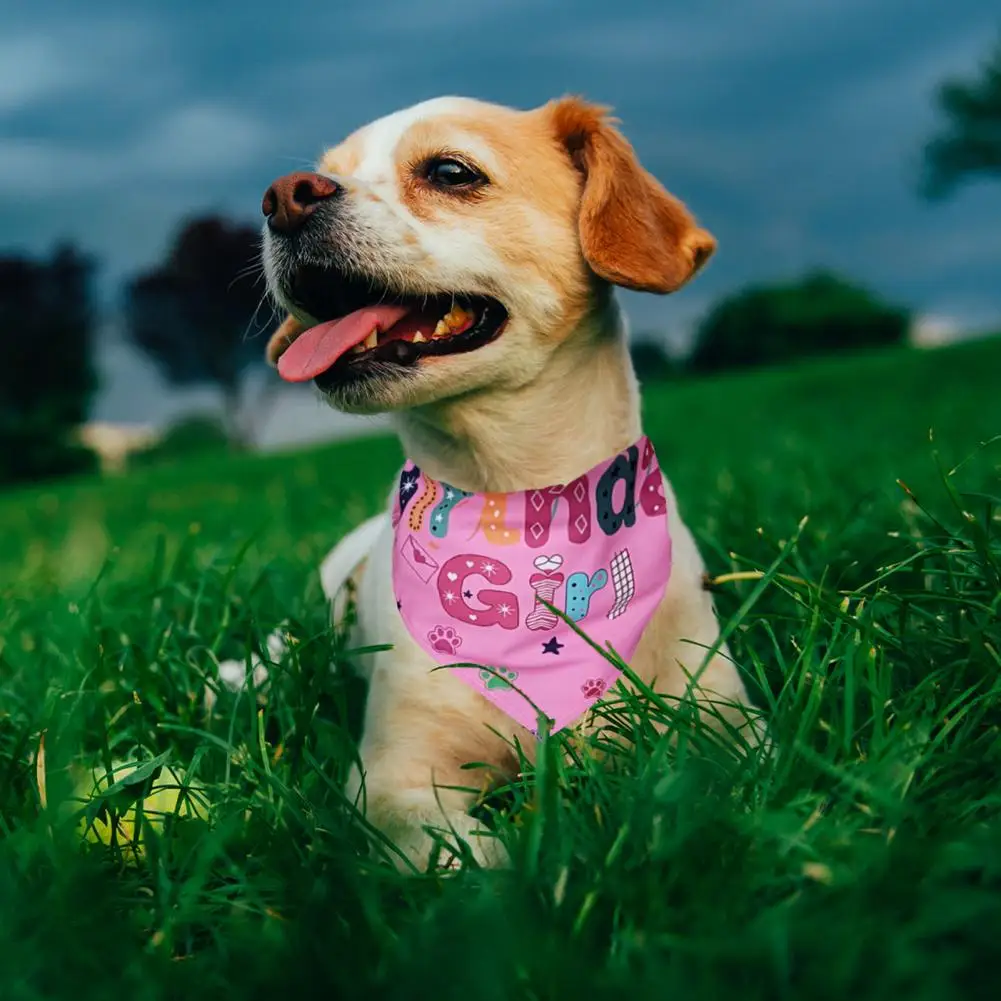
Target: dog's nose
[292, 199]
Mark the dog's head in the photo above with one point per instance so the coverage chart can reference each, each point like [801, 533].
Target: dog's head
[454, 246]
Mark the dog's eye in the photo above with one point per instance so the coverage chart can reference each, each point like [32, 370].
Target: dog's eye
[449, 173]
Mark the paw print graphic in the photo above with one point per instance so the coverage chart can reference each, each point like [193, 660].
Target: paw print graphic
[444, 639]
[593, 687]
[502, 678]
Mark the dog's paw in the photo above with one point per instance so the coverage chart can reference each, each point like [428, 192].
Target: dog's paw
[501, 678]
[444, 639]
[483, 849]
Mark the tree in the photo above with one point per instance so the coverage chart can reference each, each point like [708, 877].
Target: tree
[970, 144]
[48, 378]
[650, 360]
[198, 314]
[821, 314]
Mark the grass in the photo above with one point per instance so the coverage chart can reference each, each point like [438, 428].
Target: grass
[862, 859]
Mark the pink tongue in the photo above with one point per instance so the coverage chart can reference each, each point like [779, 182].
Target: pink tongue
[317, 348]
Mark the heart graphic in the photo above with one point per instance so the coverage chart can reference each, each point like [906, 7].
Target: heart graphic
[469, 563]
[472, 618]
[452, 576]
[547, 564]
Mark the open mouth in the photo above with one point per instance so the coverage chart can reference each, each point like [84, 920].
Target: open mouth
[360, 323]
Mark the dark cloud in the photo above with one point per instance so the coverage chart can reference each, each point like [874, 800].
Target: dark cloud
[793, 129]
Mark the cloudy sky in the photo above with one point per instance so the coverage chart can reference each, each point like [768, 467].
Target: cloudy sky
[792, 127]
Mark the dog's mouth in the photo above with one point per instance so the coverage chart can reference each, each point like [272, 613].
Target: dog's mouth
[360, 323]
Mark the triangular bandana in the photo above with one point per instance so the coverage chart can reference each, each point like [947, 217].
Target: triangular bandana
[469, 571]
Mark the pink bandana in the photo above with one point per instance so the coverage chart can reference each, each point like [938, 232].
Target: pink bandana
[471, 571]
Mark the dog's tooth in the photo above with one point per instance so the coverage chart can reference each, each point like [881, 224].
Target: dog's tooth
[457, 317]
[358, 349]
[371, 341]
[419, 338]
[441, 330]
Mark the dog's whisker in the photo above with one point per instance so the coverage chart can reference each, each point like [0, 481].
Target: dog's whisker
[251, 323]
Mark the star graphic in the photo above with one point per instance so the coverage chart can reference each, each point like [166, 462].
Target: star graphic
[488, 569]
[409, 487]
[467, 594]
[399, 604]
[552, 645]
[504, 609]
[449, 597]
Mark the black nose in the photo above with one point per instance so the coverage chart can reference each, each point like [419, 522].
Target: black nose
[292, 199]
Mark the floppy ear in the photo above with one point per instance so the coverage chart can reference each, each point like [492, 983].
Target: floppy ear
[286, 333]
[632, 232]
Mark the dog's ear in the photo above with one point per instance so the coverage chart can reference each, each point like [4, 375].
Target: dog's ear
[289, 329]
[632, 231]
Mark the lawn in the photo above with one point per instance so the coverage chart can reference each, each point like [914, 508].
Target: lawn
[861, 859]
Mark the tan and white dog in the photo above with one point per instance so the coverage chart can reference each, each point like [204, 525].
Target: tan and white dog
[525, 220]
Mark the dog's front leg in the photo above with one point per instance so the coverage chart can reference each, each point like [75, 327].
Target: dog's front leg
[421, 729]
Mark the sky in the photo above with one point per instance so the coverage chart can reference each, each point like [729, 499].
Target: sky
[792, 128]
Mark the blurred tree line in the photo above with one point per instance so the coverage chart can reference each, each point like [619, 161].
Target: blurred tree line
[198, 314]
[47, 379]
[816, 315]
[820, 314]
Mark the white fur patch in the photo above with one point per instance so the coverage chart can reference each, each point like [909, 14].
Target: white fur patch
[381, 137]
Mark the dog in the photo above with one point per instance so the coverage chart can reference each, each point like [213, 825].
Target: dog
[455, 264]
